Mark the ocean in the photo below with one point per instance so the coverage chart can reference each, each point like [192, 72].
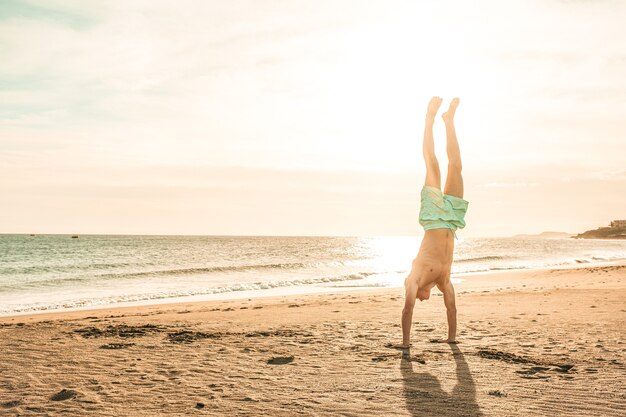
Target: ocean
[56, 272]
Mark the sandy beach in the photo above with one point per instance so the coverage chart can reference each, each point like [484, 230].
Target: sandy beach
[533, 343]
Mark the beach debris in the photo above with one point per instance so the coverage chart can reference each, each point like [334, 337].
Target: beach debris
[512, 358]
[443, 341]
[396, 346]
[530, 372]
[290, 333]
[250, 399]
[187, 336]
[533, 370]
[120, 330]
[566, 368]
[280, 360]
[64, 394]
[502, 356]
[199, 406]
[258, 334]
[116, 345]
[11, 404]
[418, 360]
[497, 393]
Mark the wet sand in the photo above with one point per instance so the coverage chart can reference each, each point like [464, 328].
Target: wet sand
[533, 343]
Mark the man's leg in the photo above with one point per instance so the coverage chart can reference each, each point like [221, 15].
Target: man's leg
[454, 180]
[433, 175]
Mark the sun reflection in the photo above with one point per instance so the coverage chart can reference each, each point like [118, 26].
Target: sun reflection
[391, 256]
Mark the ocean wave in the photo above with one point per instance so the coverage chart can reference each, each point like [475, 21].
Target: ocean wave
[31, 269]
[545, 264]
[254, 286]
[507, 268]
[54, 282]
[197, 270]
[483, 259]
[363, 285]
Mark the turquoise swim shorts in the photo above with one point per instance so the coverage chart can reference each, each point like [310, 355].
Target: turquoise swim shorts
[441, 211]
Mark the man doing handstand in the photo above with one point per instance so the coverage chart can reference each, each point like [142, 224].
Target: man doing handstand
[440, 215]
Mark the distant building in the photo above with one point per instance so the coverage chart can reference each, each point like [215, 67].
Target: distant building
[618, 223]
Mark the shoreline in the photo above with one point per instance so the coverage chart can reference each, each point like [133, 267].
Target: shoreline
[39, 284]
[475, 278]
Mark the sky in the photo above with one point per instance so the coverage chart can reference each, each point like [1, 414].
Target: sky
[306, 117]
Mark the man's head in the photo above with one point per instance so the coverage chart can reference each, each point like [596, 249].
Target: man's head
[423, 293]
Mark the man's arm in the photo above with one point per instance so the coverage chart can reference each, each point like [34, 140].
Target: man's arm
[407, 312]
[450, 302]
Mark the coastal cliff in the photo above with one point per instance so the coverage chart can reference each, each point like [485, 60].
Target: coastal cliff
[610, 232]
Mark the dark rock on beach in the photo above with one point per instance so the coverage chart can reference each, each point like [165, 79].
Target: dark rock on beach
[280, 360]
[64, 394]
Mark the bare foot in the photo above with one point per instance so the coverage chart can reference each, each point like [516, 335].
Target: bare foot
[449, 115]
[433, 108]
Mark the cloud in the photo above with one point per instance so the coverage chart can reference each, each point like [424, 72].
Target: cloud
[89, 90]
[508, 185]
[142, 62]
[71, 14]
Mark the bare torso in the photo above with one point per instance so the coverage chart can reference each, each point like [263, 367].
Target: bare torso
[434, 260]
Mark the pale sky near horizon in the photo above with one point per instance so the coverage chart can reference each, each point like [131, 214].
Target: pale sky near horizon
[306, 117]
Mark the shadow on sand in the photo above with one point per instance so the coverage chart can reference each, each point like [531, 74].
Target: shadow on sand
[424, 396]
